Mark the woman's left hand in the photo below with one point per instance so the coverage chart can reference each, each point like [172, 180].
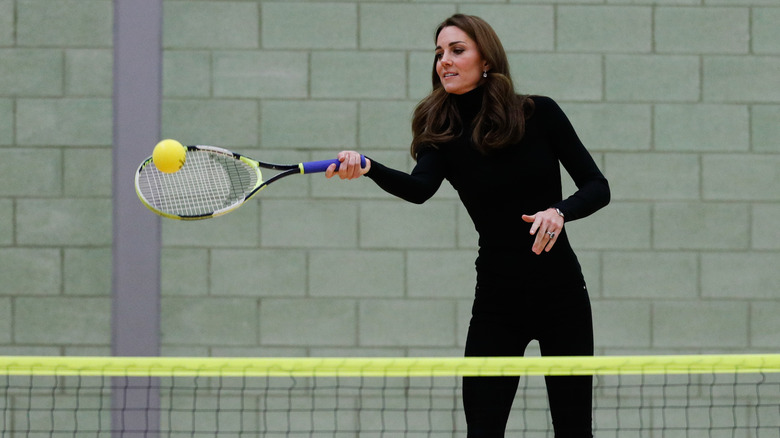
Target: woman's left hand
[547, 225]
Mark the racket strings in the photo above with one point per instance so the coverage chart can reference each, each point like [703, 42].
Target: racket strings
[208, 182]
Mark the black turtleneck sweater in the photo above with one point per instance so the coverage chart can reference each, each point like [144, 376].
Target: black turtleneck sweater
[497, 189]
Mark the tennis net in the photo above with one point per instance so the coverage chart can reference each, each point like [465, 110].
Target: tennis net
[717, 396]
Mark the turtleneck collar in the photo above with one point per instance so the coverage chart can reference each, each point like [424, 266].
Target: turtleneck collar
[469, 103]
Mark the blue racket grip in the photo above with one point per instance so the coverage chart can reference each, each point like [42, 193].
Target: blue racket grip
[322, 166]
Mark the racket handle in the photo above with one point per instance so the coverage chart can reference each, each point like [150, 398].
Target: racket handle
[322, 166]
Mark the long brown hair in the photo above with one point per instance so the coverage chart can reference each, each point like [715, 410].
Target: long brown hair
[500, 122]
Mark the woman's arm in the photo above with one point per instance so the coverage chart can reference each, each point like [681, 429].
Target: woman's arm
[417, 187]
[592, 187]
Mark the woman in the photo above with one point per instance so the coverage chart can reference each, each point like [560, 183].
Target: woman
[501, 152]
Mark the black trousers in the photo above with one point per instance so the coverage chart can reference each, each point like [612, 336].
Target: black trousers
[503, 323]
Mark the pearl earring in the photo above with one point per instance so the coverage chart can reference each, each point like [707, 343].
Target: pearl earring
[484, 73]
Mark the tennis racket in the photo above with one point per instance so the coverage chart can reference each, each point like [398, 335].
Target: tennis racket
[213, 182]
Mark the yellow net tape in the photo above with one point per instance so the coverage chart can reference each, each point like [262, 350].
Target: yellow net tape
[389, 367]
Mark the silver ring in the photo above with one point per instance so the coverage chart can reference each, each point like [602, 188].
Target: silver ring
[551, 234]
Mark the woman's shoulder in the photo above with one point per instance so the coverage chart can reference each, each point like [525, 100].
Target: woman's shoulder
[545, 106]
[542, 101]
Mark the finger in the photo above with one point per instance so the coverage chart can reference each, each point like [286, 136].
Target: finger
[330, 171]
[342, 172]
[355, 162]
[539, 243]
[345, 171]
[352, 168]
[529, 218]
[551, 238]
[544, 241]
[537, 223]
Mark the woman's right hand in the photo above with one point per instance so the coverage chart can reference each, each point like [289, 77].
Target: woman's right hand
[349, 167]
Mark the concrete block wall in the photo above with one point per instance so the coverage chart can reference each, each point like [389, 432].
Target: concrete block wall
[679, 102]
[55, 174]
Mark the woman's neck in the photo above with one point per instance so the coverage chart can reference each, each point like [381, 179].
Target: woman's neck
[469, 104]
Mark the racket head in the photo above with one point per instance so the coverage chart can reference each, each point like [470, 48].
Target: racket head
[213, 181]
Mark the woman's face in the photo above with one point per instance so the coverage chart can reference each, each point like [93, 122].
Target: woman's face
[459, 63]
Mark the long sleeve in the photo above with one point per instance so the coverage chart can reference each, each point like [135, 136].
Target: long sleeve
[592, 187]
[417, 187]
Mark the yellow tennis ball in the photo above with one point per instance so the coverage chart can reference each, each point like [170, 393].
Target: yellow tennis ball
[169, 156]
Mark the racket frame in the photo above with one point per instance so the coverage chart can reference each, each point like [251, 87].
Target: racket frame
[286, 170]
